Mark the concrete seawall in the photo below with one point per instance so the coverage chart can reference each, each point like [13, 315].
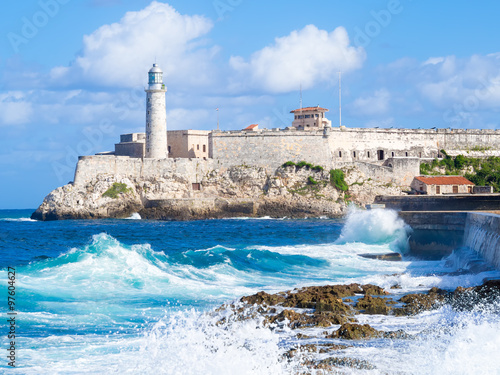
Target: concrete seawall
[465, 202]
[436, 234]
[482, 234]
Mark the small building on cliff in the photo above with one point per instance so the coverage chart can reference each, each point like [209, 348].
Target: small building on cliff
[437, 185]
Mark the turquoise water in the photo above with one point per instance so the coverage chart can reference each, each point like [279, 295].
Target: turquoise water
[136, 296]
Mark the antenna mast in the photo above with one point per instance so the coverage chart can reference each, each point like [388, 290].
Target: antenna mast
[301, 106]
[340, 99]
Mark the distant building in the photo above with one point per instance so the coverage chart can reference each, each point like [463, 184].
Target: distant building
[188, 143]
[310, 118]
[252, 128]
[437, 185]
[180, 144]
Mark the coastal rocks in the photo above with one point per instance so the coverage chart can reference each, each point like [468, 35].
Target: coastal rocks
[70, 202]
[225, 192]
[417, 303]
[373, 305]
[350, 331]
[335, 307]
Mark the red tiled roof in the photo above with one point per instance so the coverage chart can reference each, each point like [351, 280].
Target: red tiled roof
[318, 108]
[251, 127]
[444, 180]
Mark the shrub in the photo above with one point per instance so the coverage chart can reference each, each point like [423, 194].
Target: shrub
[337, 180]
[317, 168]
[303, 164]
[289, 164]
[116, 189]
[311, 181]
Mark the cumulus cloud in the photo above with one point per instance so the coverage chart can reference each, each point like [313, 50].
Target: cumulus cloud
[118, 54]
[473, 81]
[308, 57]
[374, 105]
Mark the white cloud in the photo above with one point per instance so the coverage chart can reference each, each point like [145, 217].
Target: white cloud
[309, 57]
[472, 82]
[120, 54]
[374, 105]
[15, 109]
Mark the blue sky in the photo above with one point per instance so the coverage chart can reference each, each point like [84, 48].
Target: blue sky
[72, 72]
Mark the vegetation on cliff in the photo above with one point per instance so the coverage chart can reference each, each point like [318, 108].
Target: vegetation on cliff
[337, 180]
[482, 172]
[116, 189]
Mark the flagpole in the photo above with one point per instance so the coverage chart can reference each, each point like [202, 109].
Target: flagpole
[217, 119]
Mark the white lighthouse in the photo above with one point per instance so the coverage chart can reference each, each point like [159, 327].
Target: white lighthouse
[156, 115]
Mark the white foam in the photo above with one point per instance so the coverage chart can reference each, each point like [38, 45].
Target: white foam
[134, 216]
[20, 219]
[375, 227]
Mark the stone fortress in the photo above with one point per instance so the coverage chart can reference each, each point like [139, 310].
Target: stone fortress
[391, 155]
[195, 174]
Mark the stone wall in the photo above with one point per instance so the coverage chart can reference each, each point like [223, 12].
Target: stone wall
[270, 148]
[89, 167]
[335, 146]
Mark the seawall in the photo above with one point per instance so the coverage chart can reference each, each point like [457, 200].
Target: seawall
[465, 202]
[436, 234]
[482, 233]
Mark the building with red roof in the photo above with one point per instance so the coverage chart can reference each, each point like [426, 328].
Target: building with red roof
[436, 185]
[252, 128]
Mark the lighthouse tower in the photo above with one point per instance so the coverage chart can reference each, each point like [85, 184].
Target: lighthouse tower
[156, 115]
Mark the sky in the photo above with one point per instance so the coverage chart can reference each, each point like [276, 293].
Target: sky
[73, 72]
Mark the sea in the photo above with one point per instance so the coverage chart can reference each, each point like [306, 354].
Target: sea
[136, 296]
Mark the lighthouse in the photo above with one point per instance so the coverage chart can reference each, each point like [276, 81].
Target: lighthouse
[156, 115]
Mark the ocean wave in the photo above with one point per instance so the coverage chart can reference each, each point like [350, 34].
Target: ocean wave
[375, 227]
[18, 219]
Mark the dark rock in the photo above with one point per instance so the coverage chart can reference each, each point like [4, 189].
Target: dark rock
[392, 257]
[336, 362]
[373, 305]
[263, 298]
[417, 303]
[350, 331]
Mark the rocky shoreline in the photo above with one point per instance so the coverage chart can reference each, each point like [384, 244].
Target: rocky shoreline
[332, 310]
[292, 191]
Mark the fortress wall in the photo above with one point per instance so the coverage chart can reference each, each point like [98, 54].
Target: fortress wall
[270, 148]
[89, 167]
[336, 146]
[424, 143]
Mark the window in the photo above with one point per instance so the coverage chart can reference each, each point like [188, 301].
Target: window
[368, 154]
[340, 154]
[308, 116]
[169, 149]
[455, 189]
[406, 154]
[438, 189]
[354, 154]
[204, 148]
[196, 186]
[197, 147]
[316, 115]
[380, 154]
[392, 154]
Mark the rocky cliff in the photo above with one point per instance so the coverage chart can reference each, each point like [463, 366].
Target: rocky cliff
[236, 191]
